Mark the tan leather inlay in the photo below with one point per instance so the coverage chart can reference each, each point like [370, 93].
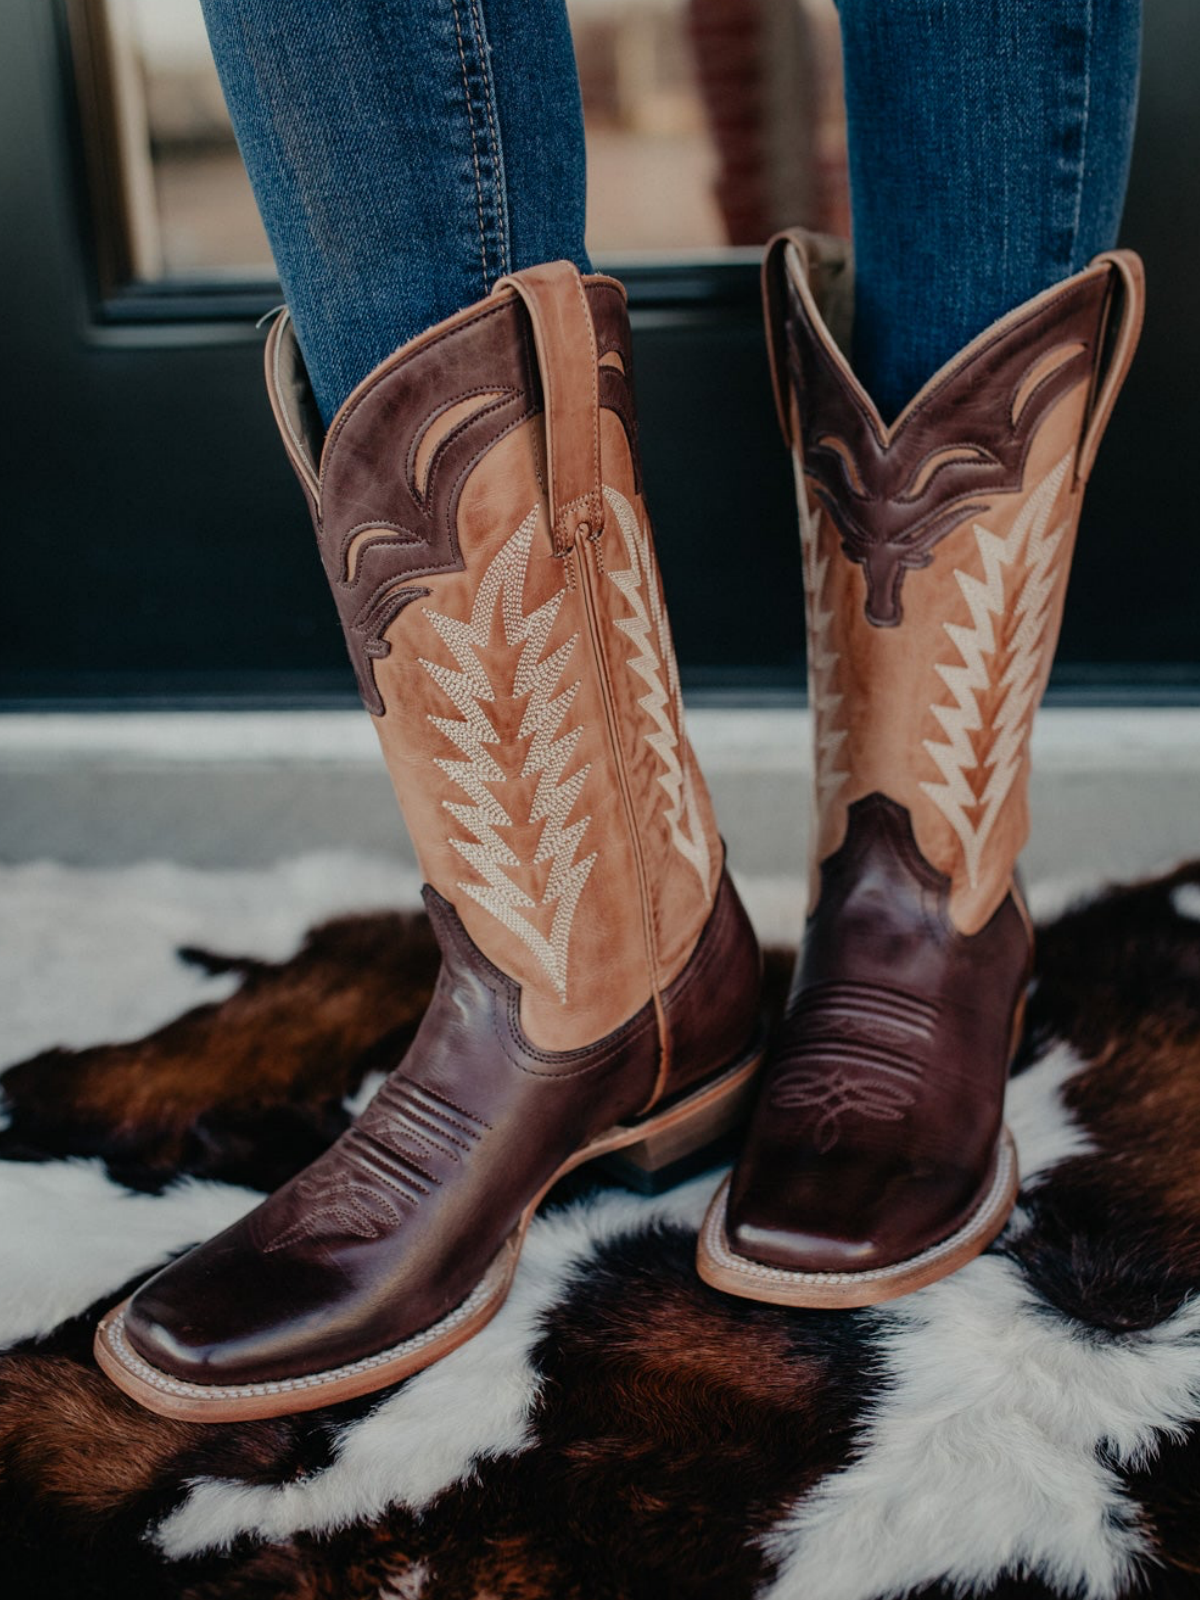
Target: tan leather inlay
[439, 426]
[612, 358]
[934, 462]
[679, 836]
[1044, 367]
[533, 834]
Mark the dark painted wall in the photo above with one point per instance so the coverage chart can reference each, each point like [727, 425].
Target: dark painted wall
[154, 543]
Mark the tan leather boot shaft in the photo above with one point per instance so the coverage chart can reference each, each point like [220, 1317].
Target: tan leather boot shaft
[937, 550]
[481, 518]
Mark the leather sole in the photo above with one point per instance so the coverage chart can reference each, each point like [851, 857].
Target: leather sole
[655, 1141]
[723, 1268]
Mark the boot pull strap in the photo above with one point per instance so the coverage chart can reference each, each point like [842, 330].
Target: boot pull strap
[565, 340]
[1123, 311]
[825, 271]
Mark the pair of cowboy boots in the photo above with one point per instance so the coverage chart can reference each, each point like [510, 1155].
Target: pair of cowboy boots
[480, 511]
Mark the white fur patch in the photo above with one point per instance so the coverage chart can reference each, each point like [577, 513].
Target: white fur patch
[88, 955]
[71, 1235]
[1050, 897]
[1045, 1131]
[473, 1404]
[1185, 901]
[980, 1457]
[355, 1104]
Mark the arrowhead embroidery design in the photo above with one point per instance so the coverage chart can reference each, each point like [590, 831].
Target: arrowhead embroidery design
[647, 629]
[983, 749]
[535, 678]
[340, 1210]
[822, 657]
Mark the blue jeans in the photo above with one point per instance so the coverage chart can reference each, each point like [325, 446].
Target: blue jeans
[989, 155]
[407, 153]
[404, 155]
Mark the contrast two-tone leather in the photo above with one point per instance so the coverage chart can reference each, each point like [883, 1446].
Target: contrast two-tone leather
[479, 509]
[394, 1226]
[936, 553]
[514, 647]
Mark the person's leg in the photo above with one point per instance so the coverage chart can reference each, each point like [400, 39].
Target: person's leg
[481, 517]
[405, 154]
[989, 151]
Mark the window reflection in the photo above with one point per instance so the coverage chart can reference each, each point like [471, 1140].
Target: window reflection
[709, 123]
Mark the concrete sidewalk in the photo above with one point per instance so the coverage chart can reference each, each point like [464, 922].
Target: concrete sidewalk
[1115, 791]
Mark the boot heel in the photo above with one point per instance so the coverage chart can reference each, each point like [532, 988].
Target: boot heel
[688, 1137]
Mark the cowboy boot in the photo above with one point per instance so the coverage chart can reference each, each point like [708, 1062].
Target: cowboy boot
[478, 504]
[936, 553]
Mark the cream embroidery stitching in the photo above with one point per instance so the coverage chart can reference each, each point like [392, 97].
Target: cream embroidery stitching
[1011, 665]
[831, 775]
[638, 585]
[833, 1092]
[470, 689]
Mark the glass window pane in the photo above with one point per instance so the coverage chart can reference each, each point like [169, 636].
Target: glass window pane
[709, 123]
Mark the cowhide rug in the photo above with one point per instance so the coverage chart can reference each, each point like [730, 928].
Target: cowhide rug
[1029, 1427]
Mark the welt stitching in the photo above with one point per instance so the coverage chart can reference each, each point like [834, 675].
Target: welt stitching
[462, 57]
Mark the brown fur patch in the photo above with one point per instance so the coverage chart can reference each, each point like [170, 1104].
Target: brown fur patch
[1119, 980]
[673, 1424]
[248, 1089]
[79, 1442]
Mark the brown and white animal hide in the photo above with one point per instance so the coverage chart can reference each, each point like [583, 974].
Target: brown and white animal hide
[1027, 1428]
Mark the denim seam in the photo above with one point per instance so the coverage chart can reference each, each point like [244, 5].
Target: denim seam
[462, 58]
[1081, 166]
[489, 209]
[493, 121]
